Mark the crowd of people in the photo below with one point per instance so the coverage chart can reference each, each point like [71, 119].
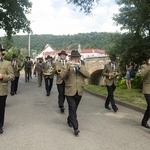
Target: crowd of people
[70, 76]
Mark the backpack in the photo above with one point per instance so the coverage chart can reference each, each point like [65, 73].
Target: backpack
[132, 73]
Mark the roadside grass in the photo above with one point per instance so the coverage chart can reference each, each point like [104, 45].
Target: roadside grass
[134, 96]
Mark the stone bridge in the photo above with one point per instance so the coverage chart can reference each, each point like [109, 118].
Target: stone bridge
[95, 65]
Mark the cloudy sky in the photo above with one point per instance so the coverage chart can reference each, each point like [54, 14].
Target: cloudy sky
[59, 18]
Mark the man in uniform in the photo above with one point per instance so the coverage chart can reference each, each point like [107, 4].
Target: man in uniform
[48, 72]
[59, 81]
[38, 69]
[27, 67]
[6, 74]
[16, 67]
[111, 71]
[74, 74]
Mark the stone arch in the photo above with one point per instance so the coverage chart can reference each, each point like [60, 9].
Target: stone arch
[95, 77]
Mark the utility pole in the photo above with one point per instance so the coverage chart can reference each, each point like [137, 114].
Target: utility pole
[29, 44]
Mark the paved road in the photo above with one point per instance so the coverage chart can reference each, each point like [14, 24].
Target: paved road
[33, 122]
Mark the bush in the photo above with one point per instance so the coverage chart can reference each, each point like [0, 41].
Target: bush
[136, 82]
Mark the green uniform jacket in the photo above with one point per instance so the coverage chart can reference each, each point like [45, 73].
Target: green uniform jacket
[7, 70]
[45, 69]
[59, 80]
[74, 82]
[145, 72]
[17, 68]
[108, 69]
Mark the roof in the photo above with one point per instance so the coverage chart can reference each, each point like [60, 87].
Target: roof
[83, 51]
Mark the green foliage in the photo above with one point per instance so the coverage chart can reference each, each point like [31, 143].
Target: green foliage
[134, 96]
[11, 51]
[83, 5]
[136, 82]
[135, 43]
[12, 15]
[101, 40]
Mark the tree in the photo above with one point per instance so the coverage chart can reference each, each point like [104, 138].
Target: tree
[84, 5]
[12, 16]
[134, 17]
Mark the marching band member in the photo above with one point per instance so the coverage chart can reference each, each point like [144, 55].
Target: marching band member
[145, 72]
[38, 69]
[111, 71]
[27, 68]
[74, 74]
[48, 73]
[6, 74]
[16, 64]
[59, 81]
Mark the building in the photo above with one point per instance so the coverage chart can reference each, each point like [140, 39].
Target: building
[85, 53]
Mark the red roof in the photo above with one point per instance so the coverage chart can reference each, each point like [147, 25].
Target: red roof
[82, 51]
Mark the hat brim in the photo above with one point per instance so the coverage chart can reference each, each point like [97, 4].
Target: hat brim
[2, 50]
[62, 54]
[74, 55]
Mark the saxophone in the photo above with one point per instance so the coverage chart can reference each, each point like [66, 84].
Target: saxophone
[113, 75]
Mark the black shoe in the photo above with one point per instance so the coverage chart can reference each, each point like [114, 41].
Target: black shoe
[47, 94]
[62, 110]
[145, 125]
[115, 109]
[15, 93]
[107, 107]
[1, 130]
[12, 93]
[76, 132]
[69, 124]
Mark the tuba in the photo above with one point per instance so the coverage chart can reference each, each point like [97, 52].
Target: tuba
[49, 71]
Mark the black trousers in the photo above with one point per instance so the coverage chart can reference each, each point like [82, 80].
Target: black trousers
[73, 102]
[110, 97]
[61, 94]
[27, 74]
[2, 109]
[48, 84]
[14, 85]
[147, 112]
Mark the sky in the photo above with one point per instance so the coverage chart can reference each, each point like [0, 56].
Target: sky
[59, 18]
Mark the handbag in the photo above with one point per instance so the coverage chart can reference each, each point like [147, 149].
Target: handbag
[103, 81]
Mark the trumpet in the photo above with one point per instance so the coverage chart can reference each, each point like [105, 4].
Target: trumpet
[72, 65]
[58, 69]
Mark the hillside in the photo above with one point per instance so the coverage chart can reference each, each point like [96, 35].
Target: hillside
[101, 40]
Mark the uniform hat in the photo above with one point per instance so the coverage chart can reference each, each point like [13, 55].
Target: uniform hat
[1, 49]
[14, 56]
[3, 53]
[27, 56]
[48, 57]
[113, 58]
[75, 53]
[62, 53]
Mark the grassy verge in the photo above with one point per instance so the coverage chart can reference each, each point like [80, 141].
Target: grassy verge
[134, 96]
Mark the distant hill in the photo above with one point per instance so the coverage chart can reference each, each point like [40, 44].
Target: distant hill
[102, 40]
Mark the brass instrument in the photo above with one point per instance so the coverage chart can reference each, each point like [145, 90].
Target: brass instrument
[72, 65]
[49, 71]
[58, 69]
[113, 75]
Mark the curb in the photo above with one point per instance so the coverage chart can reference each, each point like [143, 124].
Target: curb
[125, 104]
